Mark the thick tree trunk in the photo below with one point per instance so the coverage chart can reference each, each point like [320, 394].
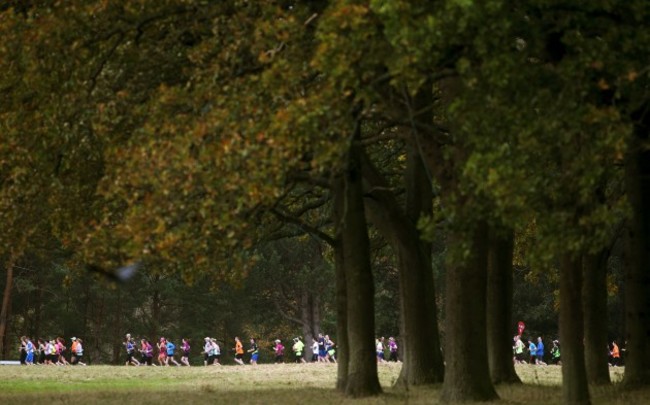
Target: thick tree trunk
[423, 362]
[342, 349]
[420, 350]
[499, 308]
[574, 374]
[637, 280]
[6, 304]
[594, 305]
[362, 365]
[421, 346]
[467, 374]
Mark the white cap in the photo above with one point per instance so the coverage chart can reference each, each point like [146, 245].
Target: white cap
[73, 338]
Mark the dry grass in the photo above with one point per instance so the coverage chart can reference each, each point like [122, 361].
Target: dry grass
[264, 384]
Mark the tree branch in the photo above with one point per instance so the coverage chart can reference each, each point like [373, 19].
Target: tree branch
[305, 177]
[305, 227]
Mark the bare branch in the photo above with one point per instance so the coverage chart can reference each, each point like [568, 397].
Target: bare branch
[305, 227]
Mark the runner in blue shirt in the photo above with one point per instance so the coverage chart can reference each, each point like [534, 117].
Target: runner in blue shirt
[540, 352]
[170, 354]
[532, 350]
[29, 347]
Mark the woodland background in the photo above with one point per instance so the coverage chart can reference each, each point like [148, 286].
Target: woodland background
[431, 170]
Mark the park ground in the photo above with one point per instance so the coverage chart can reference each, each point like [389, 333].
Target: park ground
[262, 384]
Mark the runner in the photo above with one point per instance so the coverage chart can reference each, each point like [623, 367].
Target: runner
[279, 351]
[41, 351]
[254, 351]
[532, 351]
[540, 352]
[162, 351]
[129, 345]
[80, 352]
[330, 350]
[29, 348]
[50, 353]
[239, 351]
[216, 352]
[519, 350]
[298, 347]
[185, 359]
[555, 353]
[314, 350]
[616, 355]
[392, 347]
[207, 351]
[60, 349]
[170, 346]
[380, 350]
[23, 349]
[322, 353]
[73, 351]
[146, 349]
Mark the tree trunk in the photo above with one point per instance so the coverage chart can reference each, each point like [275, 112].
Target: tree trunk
[38, 306]
[594, 305]
[362, 365]
[423, 362]
[467, 374]
[574, 374]
[499, 308]
[117, 330]
[342, 349]
[6, 303]
[421, 345]
[637, 278]
[156, 307]
[420, 350]
[310, 316]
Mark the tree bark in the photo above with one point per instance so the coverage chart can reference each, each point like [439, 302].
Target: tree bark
[117, 330]
[362, 365]
[575, 389]
[423, 359]
[467, 374]
[342, 350]
[499, 308]
[6, 303]
[38, 306]
[423, 363]
[310, 316]
[637, 278]
[594, 305]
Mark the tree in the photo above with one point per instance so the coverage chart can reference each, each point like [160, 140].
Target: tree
[499, 306]
[362, 377]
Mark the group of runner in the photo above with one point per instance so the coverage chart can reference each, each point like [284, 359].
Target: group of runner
[324, 351]
[381, 348]
[535, 352]
[50, 352]
[143, 352]
[166, 352]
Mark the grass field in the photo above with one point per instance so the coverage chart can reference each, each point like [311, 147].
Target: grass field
[263, 384]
